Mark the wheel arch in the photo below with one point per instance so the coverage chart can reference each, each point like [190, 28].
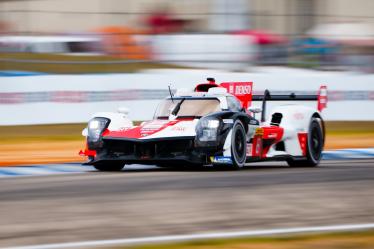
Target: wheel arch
[244, 118]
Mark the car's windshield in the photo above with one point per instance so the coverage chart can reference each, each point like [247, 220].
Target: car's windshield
[185, 107]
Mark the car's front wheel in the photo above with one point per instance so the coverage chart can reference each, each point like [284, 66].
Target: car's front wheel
[111, 167]
[238, 145]
[238, 148]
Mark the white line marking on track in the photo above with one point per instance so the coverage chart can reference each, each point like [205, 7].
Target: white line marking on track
[188, 237]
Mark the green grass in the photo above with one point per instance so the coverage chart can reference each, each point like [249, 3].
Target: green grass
[349, 127]
[347, 240]
[45, 66]
[58, 132]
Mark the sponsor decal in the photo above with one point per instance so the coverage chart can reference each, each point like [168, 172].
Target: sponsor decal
[272, 135]
[259, 132]
[12, 98]
[221, 159]
[249, 150]
[228, 121]
[178, 128]
[69, 96]
[154, 126]
[241, 90]
[253, 122]
[298, 116]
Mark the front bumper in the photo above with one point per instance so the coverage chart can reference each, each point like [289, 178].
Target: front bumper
[152, 151]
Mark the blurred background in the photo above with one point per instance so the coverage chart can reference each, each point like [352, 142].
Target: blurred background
[61, 61]
[231, 34]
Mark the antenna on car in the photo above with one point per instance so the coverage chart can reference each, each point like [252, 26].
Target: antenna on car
[171, 94]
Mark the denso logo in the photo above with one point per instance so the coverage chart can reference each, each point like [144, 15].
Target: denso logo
[241, 90]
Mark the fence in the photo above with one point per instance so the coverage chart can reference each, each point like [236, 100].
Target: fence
[47, 99]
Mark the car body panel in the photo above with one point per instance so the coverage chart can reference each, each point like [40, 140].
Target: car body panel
[179, 139]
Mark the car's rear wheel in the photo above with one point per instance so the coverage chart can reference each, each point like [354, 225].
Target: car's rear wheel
[110, 167]
[238, 148]
[315, 143]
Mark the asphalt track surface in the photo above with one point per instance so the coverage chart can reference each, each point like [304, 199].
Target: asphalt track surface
[153, 202]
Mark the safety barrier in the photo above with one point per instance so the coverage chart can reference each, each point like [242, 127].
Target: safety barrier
[43, 99]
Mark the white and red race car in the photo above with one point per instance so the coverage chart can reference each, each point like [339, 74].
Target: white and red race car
[213, 124]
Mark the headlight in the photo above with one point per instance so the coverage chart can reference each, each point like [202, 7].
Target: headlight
[96, 126]
[210, 123]
[207, 128]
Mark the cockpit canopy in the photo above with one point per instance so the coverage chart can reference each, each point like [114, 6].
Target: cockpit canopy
[187, 107]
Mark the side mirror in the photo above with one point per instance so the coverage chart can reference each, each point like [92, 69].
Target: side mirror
[255, 109]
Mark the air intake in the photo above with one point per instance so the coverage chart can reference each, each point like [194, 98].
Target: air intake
[276, 119]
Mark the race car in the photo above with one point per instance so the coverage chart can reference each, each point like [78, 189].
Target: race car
[213, 124]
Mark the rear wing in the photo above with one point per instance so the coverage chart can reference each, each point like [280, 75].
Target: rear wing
[284, 97]
[321, 99]
[243, 92]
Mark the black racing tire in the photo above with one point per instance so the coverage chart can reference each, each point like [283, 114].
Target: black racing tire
[238, 148]
[315, 146]
[109, 167]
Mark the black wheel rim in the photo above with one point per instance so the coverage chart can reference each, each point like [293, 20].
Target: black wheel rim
[239, 145]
